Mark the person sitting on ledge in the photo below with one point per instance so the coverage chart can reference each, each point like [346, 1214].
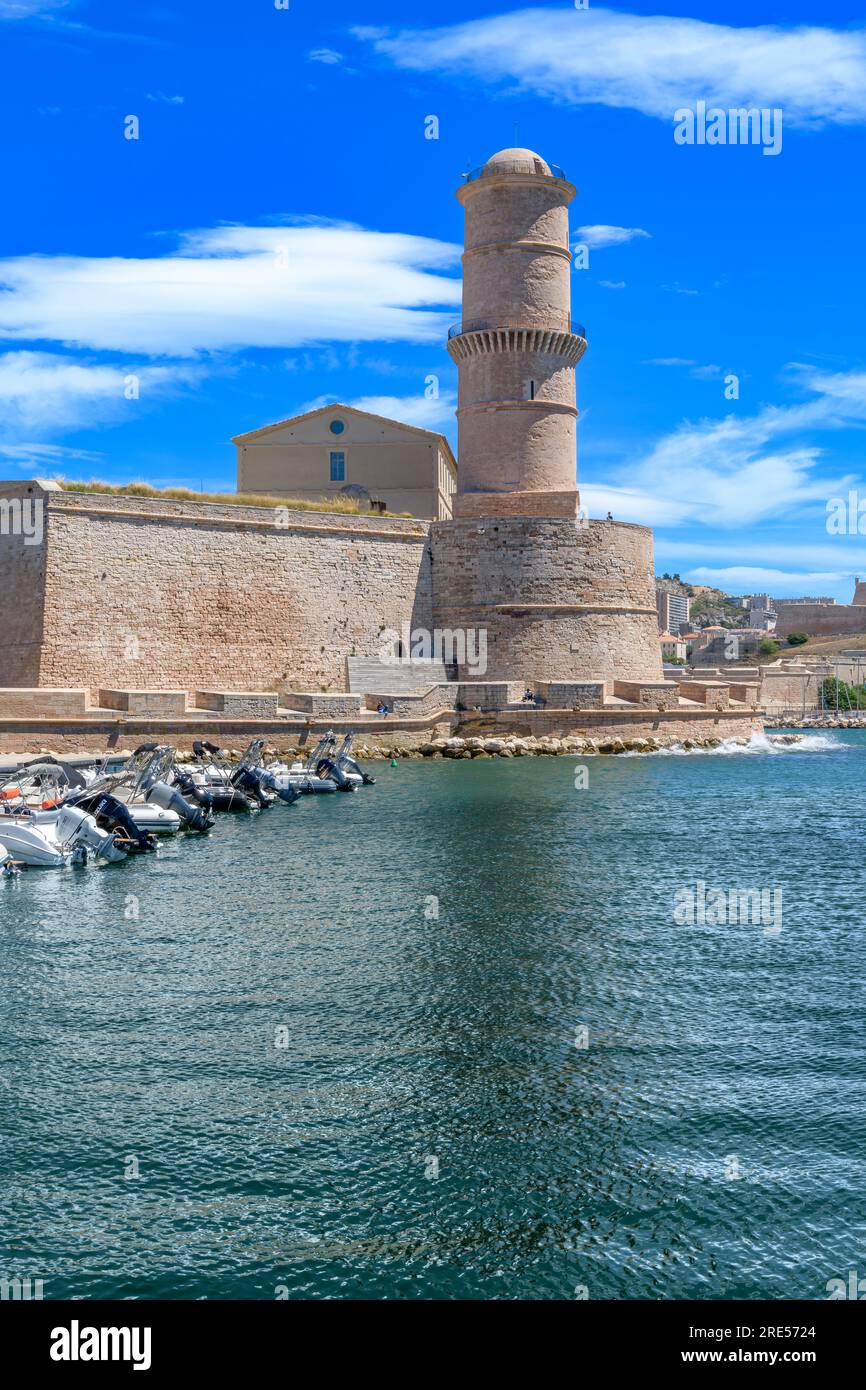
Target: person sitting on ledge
[610, 516]
[382, 709]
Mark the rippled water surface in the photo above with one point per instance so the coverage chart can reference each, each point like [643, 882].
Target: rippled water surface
[415, 1041]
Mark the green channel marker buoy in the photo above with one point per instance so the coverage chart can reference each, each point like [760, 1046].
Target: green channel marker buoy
[393, 762]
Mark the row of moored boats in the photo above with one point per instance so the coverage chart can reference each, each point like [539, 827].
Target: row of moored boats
[53, 815]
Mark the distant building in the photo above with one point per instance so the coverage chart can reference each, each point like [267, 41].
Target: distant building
[762, 613]
[673, 648]
[792, 602]
[763, 619]
[673, 611]
[338, 449]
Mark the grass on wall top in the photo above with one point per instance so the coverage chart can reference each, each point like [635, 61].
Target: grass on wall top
[346, 505]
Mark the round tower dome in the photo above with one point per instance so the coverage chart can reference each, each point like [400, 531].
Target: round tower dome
[516, 161]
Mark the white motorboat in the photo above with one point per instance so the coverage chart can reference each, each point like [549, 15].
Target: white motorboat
[53, 839]
[329, 764]
[46, 784]
[315, 775]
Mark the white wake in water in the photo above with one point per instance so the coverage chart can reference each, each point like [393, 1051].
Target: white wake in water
[760, 743]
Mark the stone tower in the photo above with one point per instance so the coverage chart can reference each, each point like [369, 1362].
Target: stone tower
[516, 347]
[859, 599]
[560, 598]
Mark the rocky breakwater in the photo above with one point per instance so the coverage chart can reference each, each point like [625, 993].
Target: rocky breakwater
[513, 747]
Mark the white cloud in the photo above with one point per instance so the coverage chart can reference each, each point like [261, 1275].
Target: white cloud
[167, 100]
[437, 414]
[668, 362]
[230, 287]
[26, 9]
[598, 234]
[730, 472]
[50, 393]
[649, 63]
[612, 284]
[756, 579]
[32, 457]
[325, 55]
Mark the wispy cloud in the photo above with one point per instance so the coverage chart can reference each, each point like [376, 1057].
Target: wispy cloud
[436, 414]
[745, 579]
[231, 287]
[35, 456]
[741, 469]
[325, 55]
[48, 392]
[597, 235]
[649, 63]
[612, 284]
[166, 100]
[26, 9]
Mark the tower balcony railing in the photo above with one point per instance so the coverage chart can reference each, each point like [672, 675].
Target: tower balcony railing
[481, 325]
[515, 166]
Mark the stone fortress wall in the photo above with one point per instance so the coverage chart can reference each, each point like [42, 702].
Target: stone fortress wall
[140, 593]
[820, 619]
[557, 599]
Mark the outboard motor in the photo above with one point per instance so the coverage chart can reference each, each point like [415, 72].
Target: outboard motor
[112, 815]
[287, 794]
[354, 766]
[80, 832]
[198, 817]
[328, 767]
[251, 785]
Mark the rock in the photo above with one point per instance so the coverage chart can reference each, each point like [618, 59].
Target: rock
[493, 745]
[427, 750]
[606, 746]
[455, 743]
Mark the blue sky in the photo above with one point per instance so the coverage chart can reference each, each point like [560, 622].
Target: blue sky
[282, 233]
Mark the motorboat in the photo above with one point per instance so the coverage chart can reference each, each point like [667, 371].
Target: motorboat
[258, 782]
[331, 764]
[318, 773]
[49, 782]
[53, 839]
[208, 781]
[141, 800]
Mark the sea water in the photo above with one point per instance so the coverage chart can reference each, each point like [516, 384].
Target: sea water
[446, 1038]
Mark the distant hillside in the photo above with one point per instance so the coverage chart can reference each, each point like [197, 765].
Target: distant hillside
[709, 607]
